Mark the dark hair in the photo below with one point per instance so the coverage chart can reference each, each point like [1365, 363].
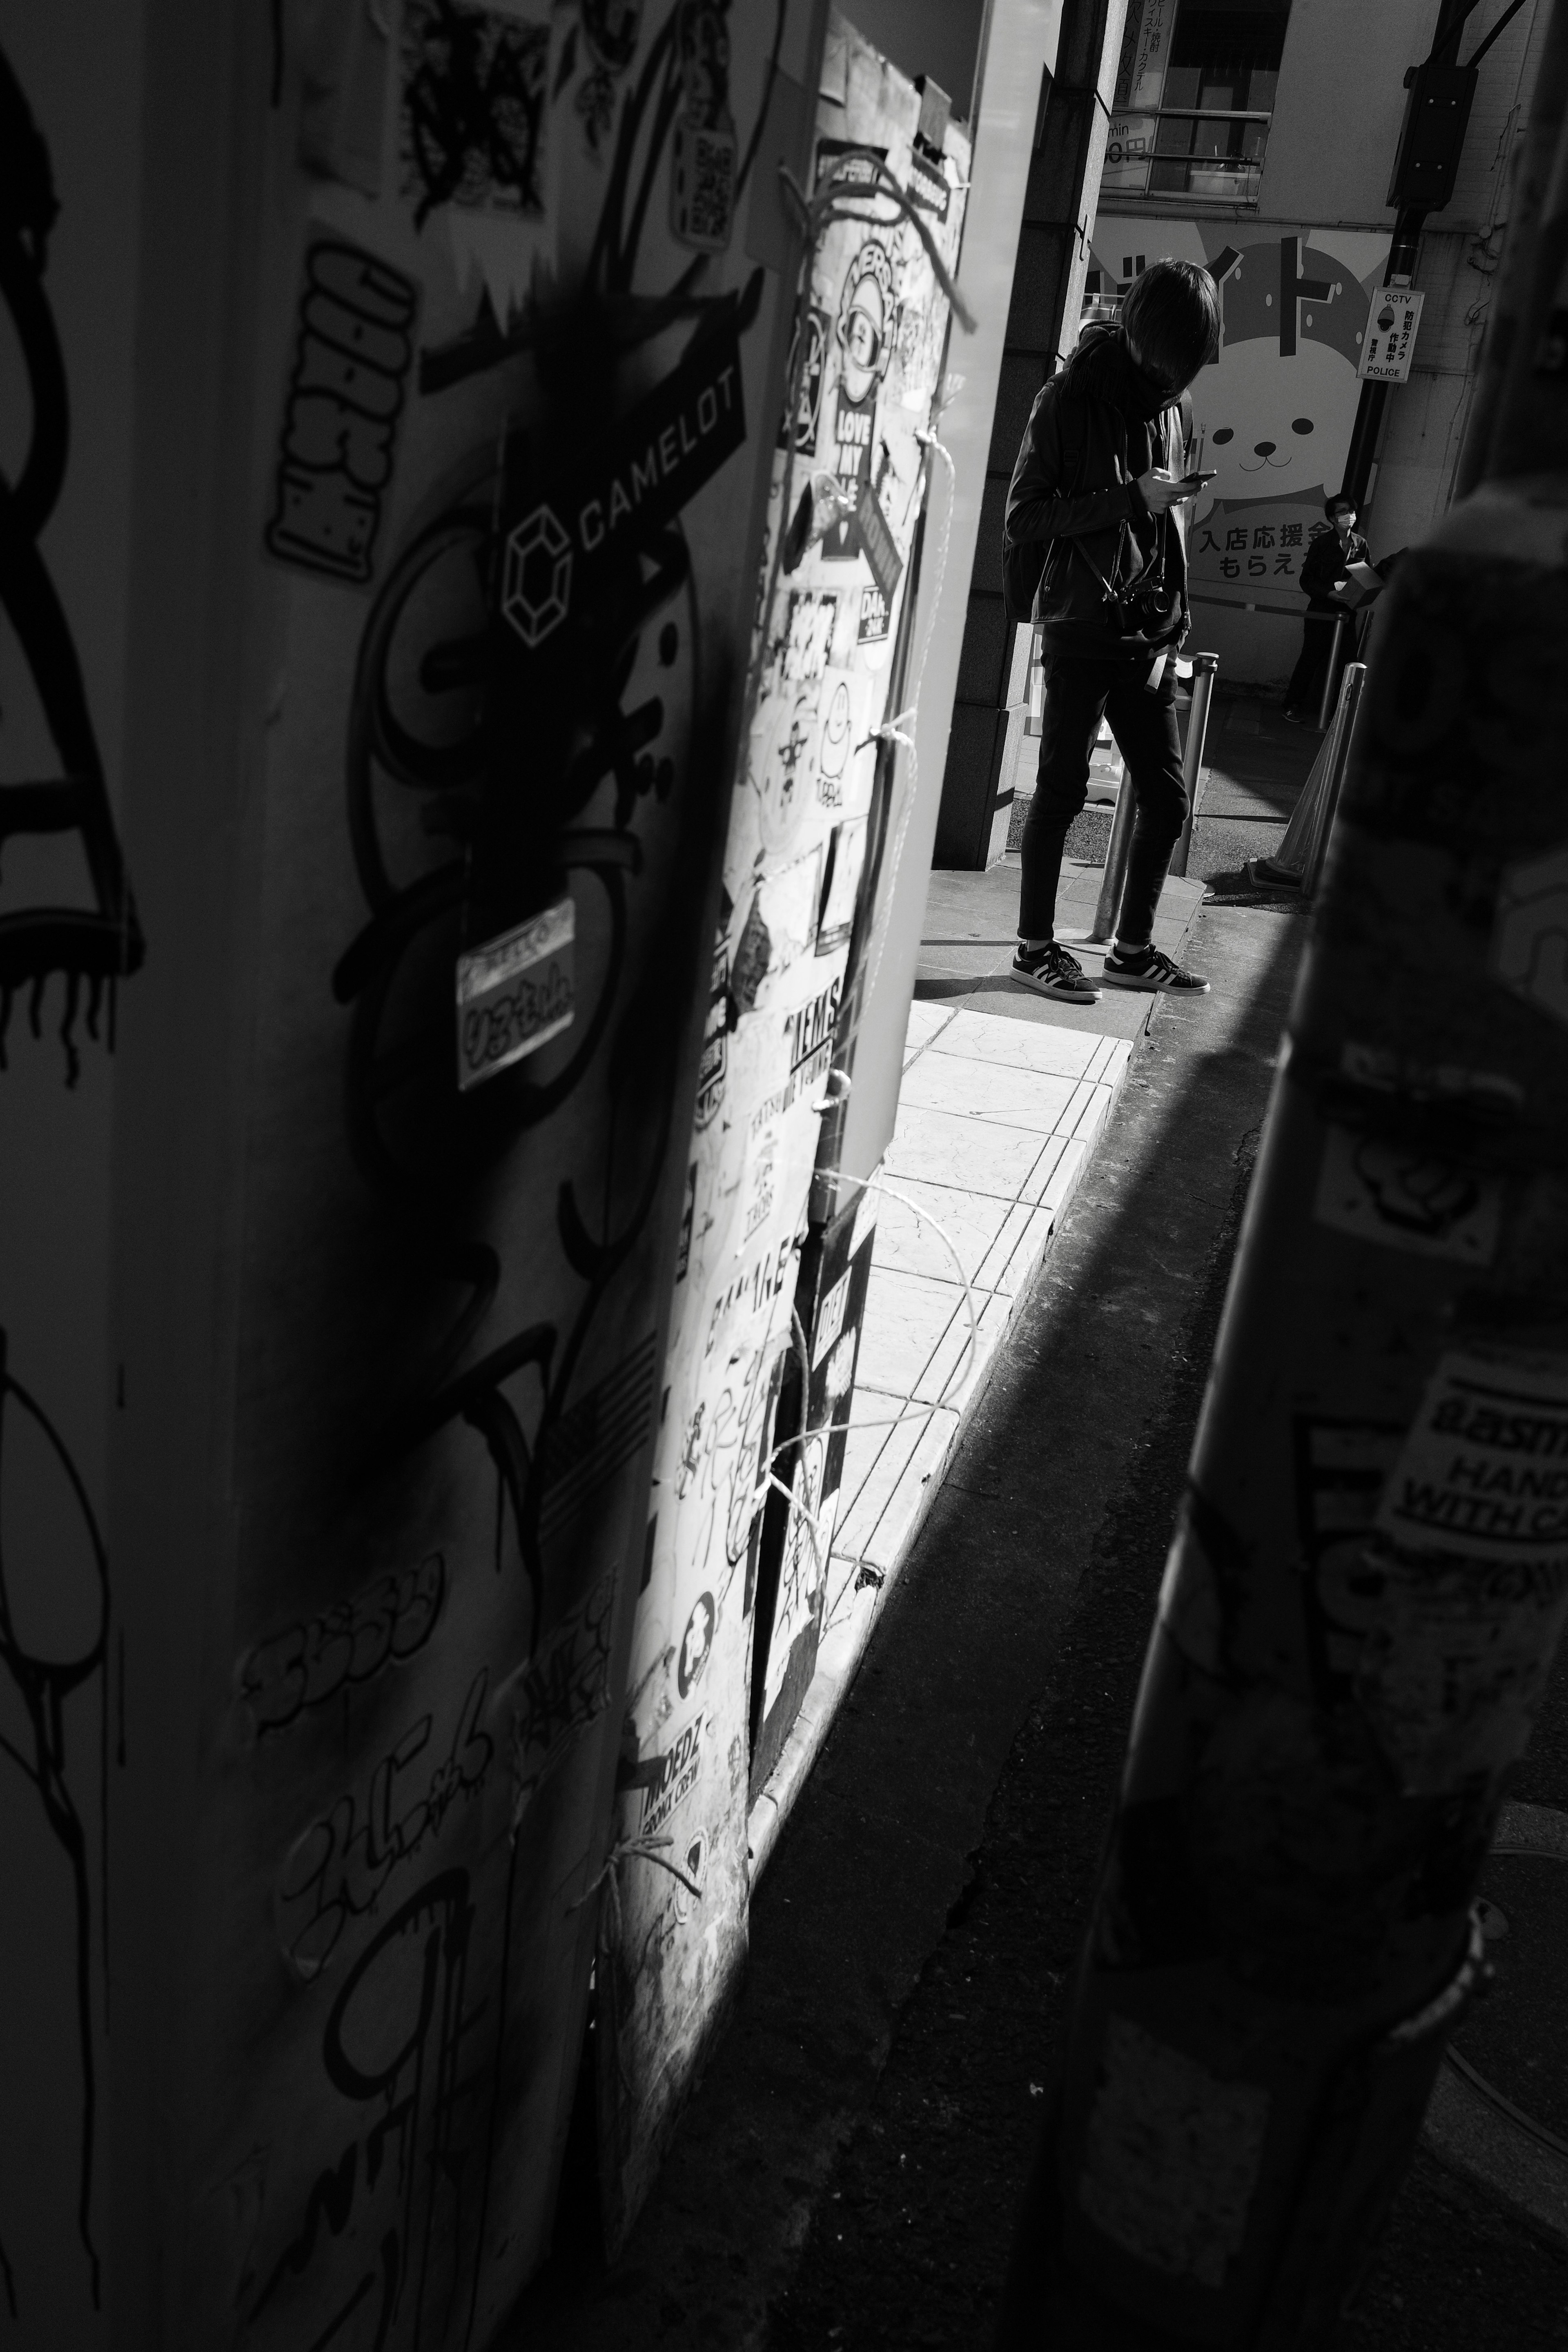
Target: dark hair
[1172, 313]
[1341, 499]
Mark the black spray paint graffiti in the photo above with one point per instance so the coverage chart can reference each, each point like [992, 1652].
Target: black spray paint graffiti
[347, 1644]
[410, 2190]
[43, 1687]
[86, 947]
[340, 1868]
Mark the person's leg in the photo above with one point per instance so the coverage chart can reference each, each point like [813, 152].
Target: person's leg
[1307, 678]
[1144, 720]
[1074, 698]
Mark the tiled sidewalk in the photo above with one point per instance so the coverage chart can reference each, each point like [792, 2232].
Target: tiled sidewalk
[1005, 1096]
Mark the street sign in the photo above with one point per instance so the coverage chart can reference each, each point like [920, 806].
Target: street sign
[1389, 342]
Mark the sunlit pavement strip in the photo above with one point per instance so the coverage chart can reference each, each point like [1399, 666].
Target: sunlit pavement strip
[996, 1120]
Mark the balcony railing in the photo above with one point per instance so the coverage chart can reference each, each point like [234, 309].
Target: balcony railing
[1209, 152]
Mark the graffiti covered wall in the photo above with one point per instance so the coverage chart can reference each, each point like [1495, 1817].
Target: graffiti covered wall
[870, 333]
[526, 326]
[69, 942]
[1275, 410]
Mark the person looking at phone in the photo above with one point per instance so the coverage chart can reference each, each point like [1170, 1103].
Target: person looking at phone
[1093, 551]
[1327, 567]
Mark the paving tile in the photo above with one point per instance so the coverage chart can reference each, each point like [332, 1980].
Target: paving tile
[908, 1238]
[998, 1092]
[926, 1022]
[857, 1523]
[942, 1147]
[913, 1495]
[1056, 1171]
[955, 1367]
[906, 1316]
[1031, 1246]
[1055, 1051]
[999, 1255]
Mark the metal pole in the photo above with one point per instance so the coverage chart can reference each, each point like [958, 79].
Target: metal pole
[1345, 730]
[1118, 850]
[1331, 674]
[1366, 1590]
[1204, 668]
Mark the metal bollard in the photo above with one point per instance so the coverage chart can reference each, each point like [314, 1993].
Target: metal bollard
[1118, 850]
[1204, 668]
[1331, 674]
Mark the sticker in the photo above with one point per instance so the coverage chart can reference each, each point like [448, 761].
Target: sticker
[830, 1322]
[1483, 1474]
[1530, 936]
[703, 154]
[670, 446]
[1171, 2156]
[514, 994]
[1467, 1591]
[813, 616]
[846, 856]
[874, 620]
[695, 1642]
[715, 1040]
[1395, 1193]
[594, 1439]
[672, 1778]
[809, 394]
[876, 539]
[353, 351]
[473, 108]
[688, 1218]
[833, 758]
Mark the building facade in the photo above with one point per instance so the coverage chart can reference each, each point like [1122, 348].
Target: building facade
[1258, 139]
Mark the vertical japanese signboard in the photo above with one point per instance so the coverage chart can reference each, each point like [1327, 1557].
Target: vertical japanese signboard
[870, 332]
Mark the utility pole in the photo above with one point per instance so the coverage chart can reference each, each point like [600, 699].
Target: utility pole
[1369, 1575]
[1437, 112]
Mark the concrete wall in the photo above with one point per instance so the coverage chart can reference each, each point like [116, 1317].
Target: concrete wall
[939, 37]
[1021, 45]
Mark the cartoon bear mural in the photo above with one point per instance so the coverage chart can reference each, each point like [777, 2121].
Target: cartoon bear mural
[1275, 410]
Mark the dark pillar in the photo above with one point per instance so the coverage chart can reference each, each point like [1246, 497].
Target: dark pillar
[1048, 281]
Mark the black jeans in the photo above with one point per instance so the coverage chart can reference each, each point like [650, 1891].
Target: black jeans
[1143, 721]
[1305, 689]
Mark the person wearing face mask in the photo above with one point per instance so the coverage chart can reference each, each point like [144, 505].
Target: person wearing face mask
[1327, 567]
[1092, 551]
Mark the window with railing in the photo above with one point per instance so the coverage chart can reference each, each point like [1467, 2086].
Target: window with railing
[1194, 95]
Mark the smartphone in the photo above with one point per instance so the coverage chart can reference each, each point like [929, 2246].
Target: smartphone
[1196, 481]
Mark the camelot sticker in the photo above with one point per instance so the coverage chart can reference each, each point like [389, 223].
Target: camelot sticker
[514, 994]
[671, 444]
[1483, 1474]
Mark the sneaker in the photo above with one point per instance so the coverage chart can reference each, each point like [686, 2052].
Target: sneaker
[1053, 972]
[1153, 970]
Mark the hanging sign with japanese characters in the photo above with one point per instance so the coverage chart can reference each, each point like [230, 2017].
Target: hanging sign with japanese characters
[1390, 343]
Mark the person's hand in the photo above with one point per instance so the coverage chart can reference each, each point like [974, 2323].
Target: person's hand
[1162, 491]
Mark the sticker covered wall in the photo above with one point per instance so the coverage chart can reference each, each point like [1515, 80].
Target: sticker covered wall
[523, 358]
[849, 481]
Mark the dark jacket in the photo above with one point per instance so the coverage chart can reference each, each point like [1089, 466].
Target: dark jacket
[1325, 562]
[1075, 504]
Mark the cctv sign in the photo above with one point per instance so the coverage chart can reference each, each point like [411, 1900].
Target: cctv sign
[1389, 344]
